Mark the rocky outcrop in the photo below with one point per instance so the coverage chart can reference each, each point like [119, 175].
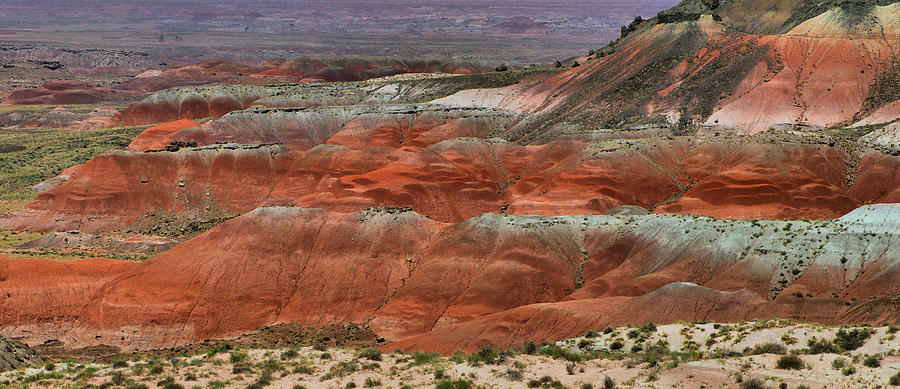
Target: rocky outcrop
[15, 356]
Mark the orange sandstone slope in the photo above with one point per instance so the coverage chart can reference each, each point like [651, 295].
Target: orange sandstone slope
[493, 279]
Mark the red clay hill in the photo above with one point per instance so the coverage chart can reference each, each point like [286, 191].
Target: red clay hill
[439, 286]
[805, 66]
[346, 161]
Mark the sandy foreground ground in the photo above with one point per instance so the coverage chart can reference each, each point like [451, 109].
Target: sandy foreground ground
[681, 355]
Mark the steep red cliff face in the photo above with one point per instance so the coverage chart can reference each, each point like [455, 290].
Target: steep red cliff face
[493, 279]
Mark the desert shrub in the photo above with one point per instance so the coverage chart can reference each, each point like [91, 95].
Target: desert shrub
[319, 347]
[753, 383]
[849, 370]
[40, 376]
[273, 365]
[609, 383]
[790, 362]
[372, 382]
[616, 345]
[237, 356]
[289, 354]
[591, 334]
[852, 339]
[459, 383]
[119, 364]
[817, 346]
[241, 367]
[895, 379]
[514, 375]
[341, 369]
[584, 343]
[169, 383]
[556, 352]
[117, 378]
[304, 369]
[371, 353]
[545, 382]
[633, 334]
[767, 348]
[486, 355]
[872, 361]
[421, 358]
[838, 363]
[570, 368]
[607, 330]
[265, 379]
[217, 348]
